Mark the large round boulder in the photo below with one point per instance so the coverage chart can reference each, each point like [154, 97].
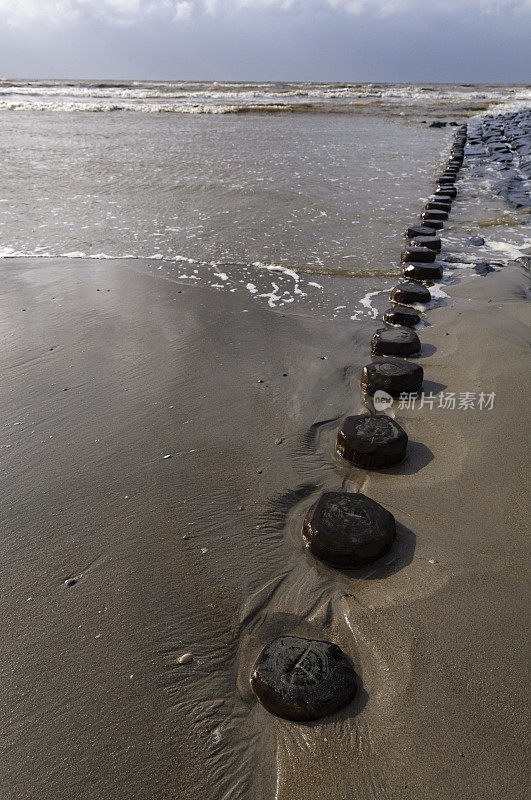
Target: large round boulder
[418, 255]
[392, 375]
[410, 293]
[419, 230]
[348, 530]
[423, 272]
[402, 315]
[395, 341]
[372, 441]
[303, 679]
[431, 242]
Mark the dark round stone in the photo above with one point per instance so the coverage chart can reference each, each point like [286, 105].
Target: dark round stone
[423, 272]
[372, 441]
[410, 293]
[435, 223]
[447, 191]
[439, 205]
[348, 529]
[70, 582]
[431, 242]
[419, 230]
[392, 375]
[433, 214]
[399, 341]
[401, 315]
[303, 679]
[418, 255]
[445, 180]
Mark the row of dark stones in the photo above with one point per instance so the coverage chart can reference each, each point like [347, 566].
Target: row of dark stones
[507, 140]
[504, 143]
[303, 679]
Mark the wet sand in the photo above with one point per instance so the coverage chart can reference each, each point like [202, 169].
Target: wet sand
[112, 367]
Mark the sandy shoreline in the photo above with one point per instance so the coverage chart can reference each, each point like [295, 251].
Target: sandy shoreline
[161, 444]
[91, 687]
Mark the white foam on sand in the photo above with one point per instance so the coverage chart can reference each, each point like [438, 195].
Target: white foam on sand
[510, 251]
[366, 303]
[285, 271]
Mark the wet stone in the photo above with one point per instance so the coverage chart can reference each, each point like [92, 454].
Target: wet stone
[439, 205]
[303, 679]
[434, 214]
[477, 241]
[348, 530]
[419, 230]
[418, 255]
[483, 268]
[446, 180]
[431, 242]
[423, 272]
[372, 441]
[447, 191]
[392, 375]
[410, 293]
[434, 223]
[395, 341]
[441, 198]
[402, 315]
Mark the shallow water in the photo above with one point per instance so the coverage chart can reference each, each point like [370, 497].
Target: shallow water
[273, 201]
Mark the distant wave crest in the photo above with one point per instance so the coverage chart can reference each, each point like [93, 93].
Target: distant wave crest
[236, 98]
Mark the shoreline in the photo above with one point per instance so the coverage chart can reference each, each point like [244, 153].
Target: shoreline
[90, 495]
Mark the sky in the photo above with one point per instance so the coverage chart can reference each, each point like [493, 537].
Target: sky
[464, 41]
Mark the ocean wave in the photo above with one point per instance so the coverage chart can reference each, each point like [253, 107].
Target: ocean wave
[233, 98]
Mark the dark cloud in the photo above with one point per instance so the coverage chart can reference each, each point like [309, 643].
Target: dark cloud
[381, 40]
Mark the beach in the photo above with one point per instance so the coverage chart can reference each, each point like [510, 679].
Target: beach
[166, 430]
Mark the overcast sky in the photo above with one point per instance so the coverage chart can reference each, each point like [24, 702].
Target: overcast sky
[344, 40]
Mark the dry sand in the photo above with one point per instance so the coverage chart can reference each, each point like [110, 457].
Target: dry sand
[95, 703]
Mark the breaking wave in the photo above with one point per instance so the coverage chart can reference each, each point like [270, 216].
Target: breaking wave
[240, 98]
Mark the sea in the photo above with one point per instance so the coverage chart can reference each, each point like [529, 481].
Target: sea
[267, 188]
